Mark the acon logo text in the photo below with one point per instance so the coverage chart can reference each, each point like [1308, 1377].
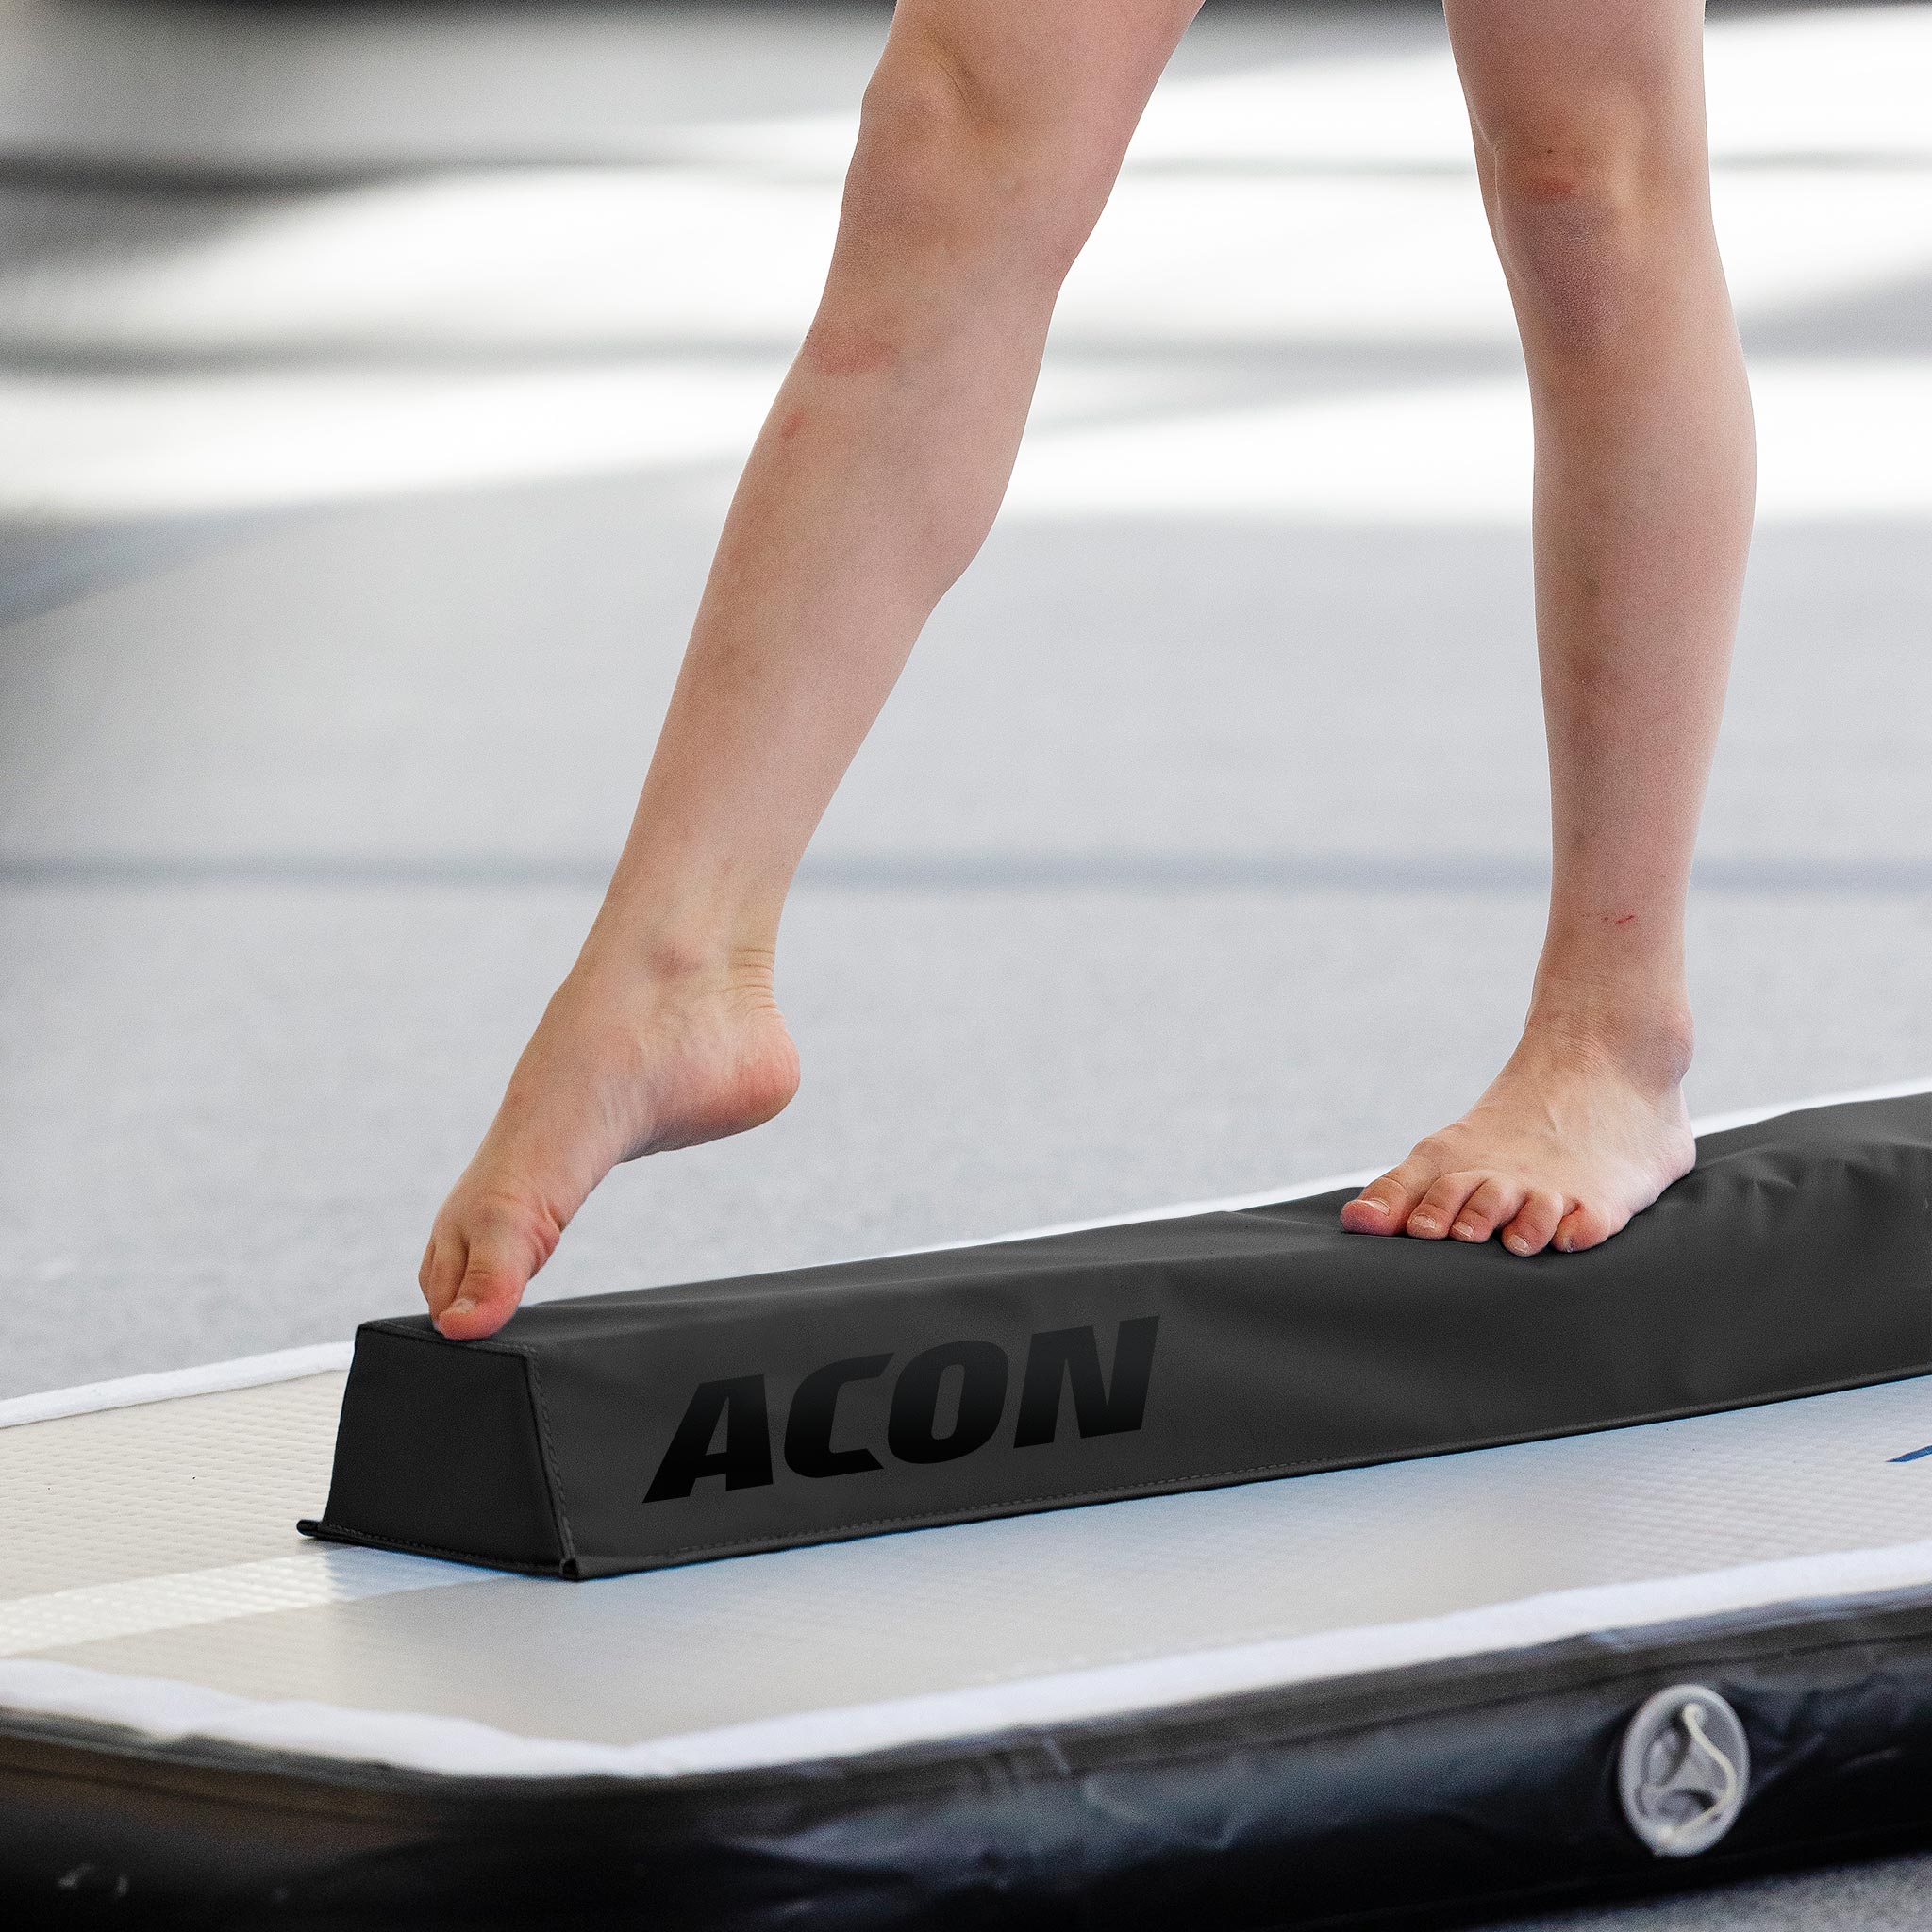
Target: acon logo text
[946, 1402]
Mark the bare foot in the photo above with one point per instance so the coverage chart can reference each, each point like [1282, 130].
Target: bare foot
[623, 1063]
[1572, 1139]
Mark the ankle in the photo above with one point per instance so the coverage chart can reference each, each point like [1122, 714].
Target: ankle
[1648, 1037]
[678, 962]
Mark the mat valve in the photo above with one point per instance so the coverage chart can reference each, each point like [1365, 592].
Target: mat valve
[1683, 1771]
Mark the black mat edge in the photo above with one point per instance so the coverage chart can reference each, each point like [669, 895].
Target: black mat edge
[1439, 1794]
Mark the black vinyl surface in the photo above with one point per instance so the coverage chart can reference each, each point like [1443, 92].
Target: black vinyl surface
[632, 1431]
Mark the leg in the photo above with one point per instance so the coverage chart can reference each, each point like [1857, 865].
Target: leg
[1589, 125]
[990, 138]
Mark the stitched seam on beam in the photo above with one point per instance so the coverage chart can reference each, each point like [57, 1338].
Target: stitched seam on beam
[552, 1478]
[533, 1385]
[335, 1532]
[484, 1346]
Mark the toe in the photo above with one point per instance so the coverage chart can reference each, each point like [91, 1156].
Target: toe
[1384, 1206]
[483, 1254]
[1534, 1223]
[486, 1298]
[1494, 1201]
[1584, 1227]
[442, 1265]
[492, 1284]
[1436, 1212]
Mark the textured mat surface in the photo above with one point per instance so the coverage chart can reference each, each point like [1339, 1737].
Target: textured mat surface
[159, 1541]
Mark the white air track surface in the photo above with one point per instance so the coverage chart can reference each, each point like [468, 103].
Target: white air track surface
[150, 1576]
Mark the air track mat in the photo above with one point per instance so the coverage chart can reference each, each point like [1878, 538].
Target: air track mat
[1427, 1682]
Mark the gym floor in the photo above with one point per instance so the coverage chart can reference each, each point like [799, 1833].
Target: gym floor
[371, 383]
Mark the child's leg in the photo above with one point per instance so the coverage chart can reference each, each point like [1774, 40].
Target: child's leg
[1588, 122]
[990, 136]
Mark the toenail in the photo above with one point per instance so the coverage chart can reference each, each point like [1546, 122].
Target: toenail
[461, 1306]
[1567, 1244]
[1464, 1228]
[1521, 1245]
[1423, 1220]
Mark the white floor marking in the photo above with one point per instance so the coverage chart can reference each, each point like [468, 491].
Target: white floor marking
[168, 1385]
[302, 1580]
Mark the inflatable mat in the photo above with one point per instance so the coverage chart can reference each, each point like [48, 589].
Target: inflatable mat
[1430, 1688]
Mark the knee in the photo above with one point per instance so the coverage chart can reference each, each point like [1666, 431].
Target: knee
[1583, 209]
[954, 167]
